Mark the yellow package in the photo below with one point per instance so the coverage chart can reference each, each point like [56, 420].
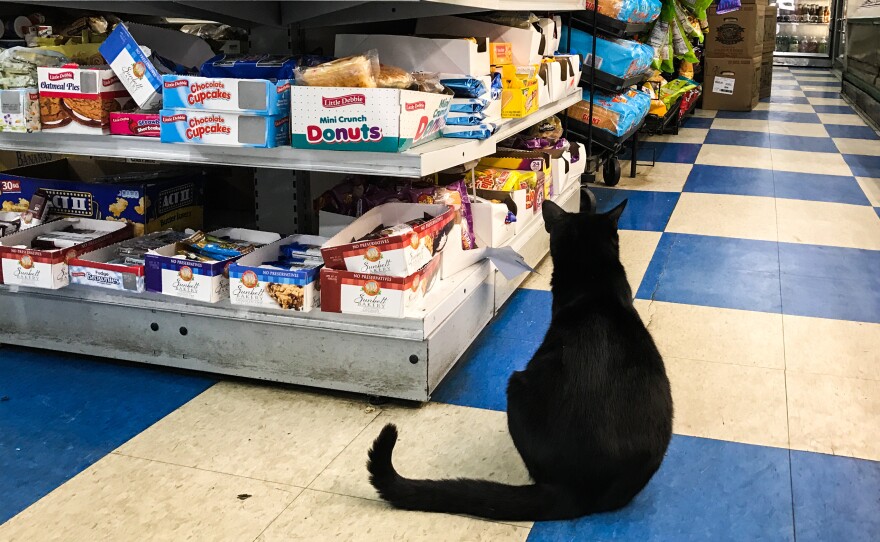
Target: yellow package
[500, 53]
[658, 108]
[507, 180]
[519, 94]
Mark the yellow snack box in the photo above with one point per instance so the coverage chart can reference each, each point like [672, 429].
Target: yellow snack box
[500, 53]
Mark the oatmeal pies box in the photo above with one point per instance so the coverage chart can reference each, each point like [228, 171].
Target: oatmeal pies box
[254, 283]
[377, 295]
[169, 274]
[79, 99]
[151, 197]
[398, 255]
[42, 268]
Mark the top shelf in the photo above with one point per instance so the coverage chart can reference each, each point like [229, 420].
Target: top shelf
[419, 161]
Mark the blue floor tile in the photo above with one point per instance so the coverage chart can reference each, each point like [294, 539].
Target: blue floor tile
[822, 94]
[525, 316]
[837, 109]
[646, 211]
[65, 412]
[730, 180]
[789, 100]
[863, 166]
[480, 377]
[878, 211]
[696, 122]
[802, 143]
[714, 271]
[830, 282]
[790, 116]
[682, 153]
[705, 490]
[813, 187]
[749, 115]
[830, 84]
[786, 87]
[851, 132]
[835, 498]
[737, 137]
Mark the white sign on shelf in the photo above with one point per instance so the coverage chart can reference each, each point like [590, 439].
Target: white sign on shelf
[723, 85]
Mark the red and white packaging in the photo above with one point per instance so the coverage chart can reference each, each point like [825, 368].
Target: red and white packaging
[396, 255]
[377, 295]
[48, 268]
[135, 123]
[79, 99]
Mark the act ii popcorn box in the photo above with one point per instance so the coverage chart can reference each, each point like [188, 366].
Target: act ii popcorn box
[365, 119]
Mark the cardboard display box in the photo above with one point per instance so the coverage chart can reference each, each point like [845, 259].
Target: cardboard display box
[140, 78]
[377, 295]
[529, 44]
[135, 123]
[396, 255]
[440, 55]
[491, 225]
[770, 29]
[255, 286]
[253, 96]
[151, 197]
[731, 84]
[766, 75]
[92, 269]
[219, 128]
[49, 268]
[166, 273]
[20, 110]
[365, 119]
[738, 34]
[79, 99]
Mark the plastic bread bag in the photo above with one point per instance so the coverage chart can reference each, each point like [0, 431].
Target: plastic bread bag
[427, 82]
[617, 57]
[614, 113]
[465, 87]
[465, 119]
[394, 77]
[480, 131]
[469, 105]
[360, 71]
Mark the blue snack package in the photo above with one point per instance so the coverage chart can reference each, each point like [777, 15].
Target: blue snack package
[617, 57]
[727, 6]
[271, 67]
[469, 105]
[497, 86]
[465, 87]
[480, 131]
[614, 113]
[294, 250]
[465, 119]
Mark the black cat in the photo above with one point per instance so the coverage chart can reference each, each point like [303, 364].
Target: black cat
[591, 415]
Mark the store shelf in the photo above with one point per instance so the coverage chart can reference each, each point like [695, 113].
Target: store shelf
[421, 160]
[403, 358]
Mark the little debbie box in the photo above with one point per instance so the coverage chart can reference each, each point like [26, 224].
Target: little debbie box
[365, 119]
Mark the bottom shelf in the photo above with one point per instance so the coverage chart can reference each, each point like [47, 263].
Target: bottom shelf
[400, 358]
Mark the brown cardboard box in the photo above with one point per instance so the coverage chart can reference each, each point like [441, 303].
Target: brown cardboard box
[731, 84]
[770, 29]
[766, 75]
[738, 34]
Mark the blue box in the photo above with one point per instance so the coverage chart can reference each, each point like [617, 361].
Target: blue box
[220, 128]
[135, 71]
[254, 96]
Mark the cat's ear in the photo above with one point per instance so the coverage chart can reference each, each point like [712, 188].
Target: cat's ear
[614, 214]
[551, 213]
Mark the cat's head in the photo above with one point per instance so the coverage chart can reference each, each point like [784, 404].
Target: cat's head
[584, 236]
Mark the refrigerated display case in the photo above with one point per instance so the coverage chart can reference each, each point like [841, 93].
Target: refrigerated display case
[804, 33]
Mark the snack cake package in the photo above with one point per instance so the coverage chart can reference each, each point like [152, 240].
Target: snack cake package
[135, 123]
[76, 99]
[254, 96]
[20, 110]
[217, 128]
[365, 119]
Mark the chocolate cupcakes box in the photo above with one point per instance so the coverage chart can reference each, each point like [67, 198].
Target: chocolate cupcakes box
[79, 99]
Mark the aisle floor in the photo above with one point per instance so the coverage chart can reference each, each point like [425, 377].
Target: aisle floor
[753, 247]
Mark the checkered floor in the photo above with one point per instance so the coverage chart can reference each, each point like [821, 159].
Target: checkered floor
[753, 246]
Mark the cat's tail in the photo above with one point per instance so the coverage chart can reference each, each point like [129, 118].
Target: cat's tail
[481, 498]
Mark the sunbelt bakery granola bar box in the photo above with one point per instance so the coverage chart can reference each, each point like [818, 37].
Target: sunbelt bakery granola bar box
[20, 110]
[255, 96]
[169, 274]
[135, 71]
[398, 255]
[151, 197]
[253, 283]
[217, 128]
[79, 99]
[365, 119]
[377, 295]
[40, 268]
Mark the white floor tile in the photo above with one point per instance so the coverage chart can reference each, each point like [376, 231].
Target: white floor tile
[723, 215]
[831, 224]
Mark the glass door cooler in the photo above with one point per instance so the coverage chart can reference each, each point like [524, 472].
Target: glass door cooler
[804, 33]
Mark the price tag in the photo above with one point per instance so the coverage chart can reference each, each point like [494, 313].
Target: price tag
[723, 85]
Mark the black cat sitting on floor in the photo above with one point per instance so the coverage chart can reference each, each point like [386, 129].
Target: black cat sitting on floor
[591, 415]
